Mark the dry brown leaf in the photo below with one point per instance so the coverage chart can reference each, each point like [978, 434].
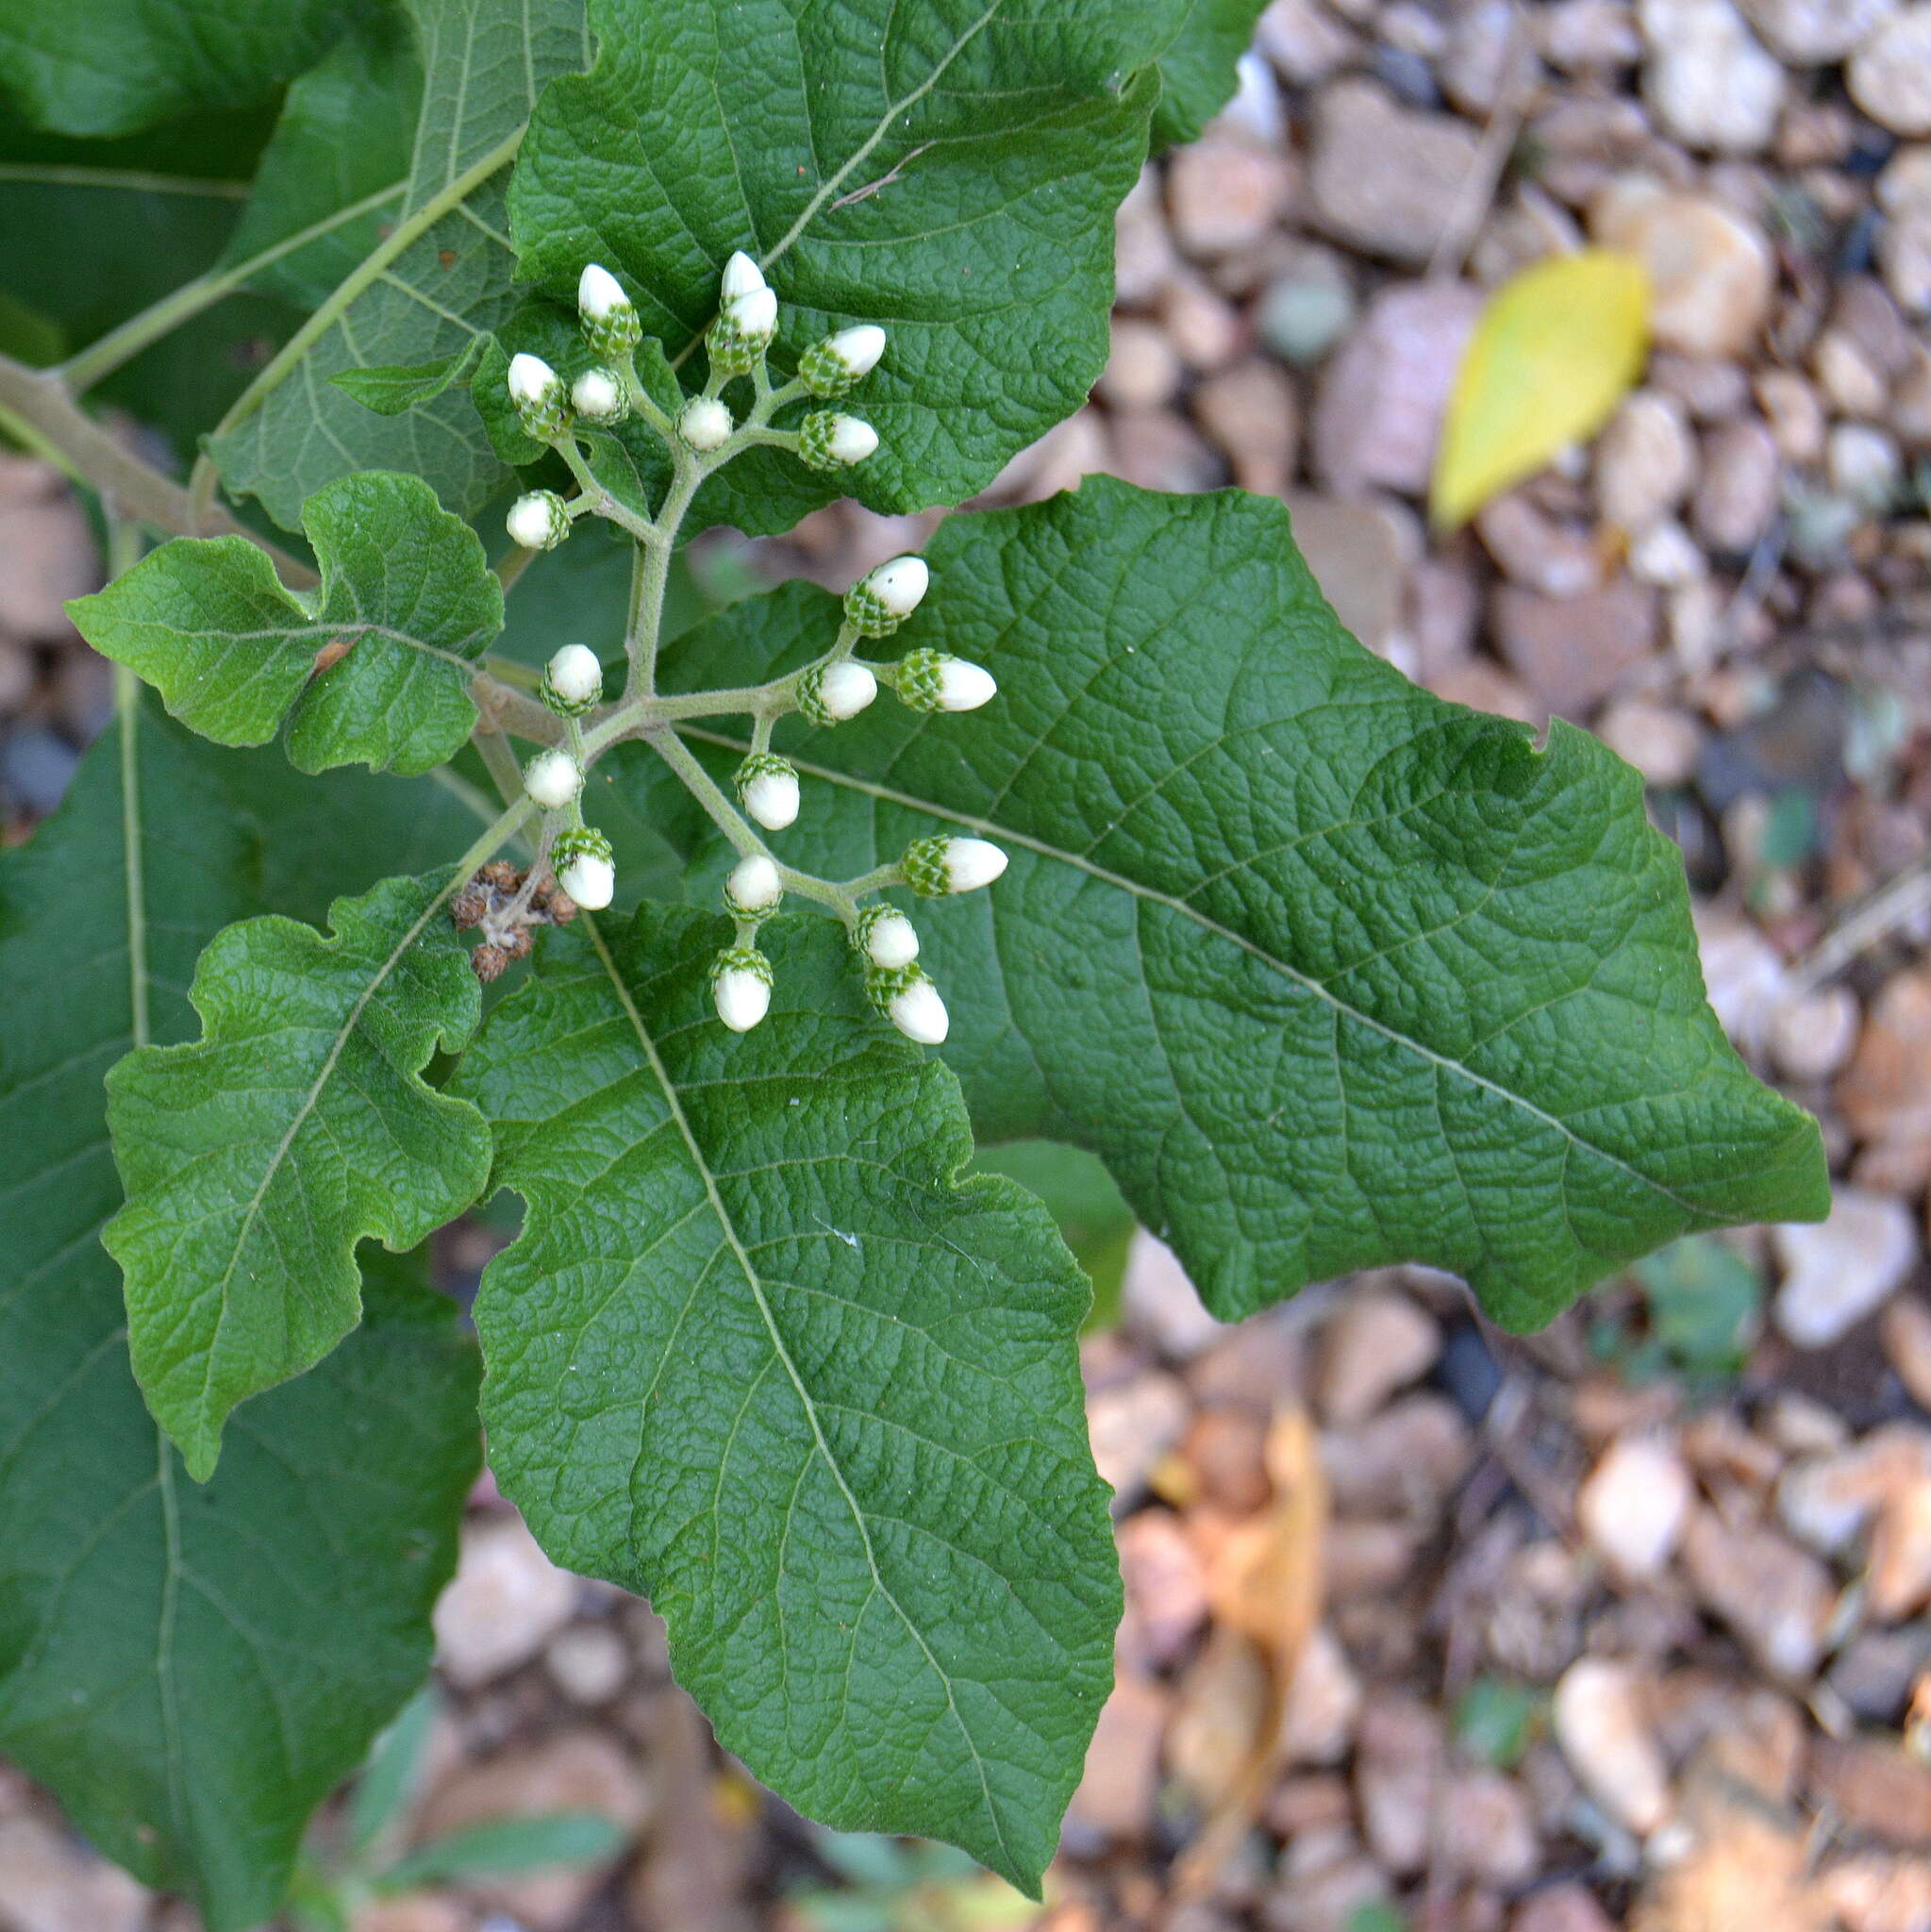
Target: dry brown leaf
[1264, 1585]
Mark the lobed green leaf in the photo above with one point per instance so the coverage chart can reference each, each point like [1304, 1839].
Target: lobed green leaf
[760, 1354]
[373, 668]
[256, 1157]
[191, 1671]
[1331, 973]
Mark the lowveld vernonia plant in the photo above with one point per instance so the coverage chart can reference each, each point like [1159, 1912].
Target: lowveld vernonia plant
[1095, 797]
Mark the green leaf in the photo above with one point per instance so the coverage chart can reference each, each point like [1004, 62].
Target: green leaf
[1330, 974]
[1093, 1219]
[759, 1355]
[395, 1772]
[189, 1669]
[506, 1847]
[1706, 1305]
[343, 142]
[393, 389]
[405, 587]
[1198, 71]
[949, 169]
[110, 66]
[438, 276]
[256, 1157]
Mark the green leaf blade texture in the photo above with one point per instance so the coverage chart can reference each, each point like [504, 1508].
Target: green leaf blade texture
[949, 169]
[192, 1670]
[103, 67]
[1198, 71]
[405, 589]
[758, 1354]
[256, 1157]
[440, 278]
[1331, 973]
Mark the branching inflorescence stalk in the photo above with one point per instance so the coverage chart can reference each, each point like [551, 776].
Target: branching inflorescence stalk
[700, 437]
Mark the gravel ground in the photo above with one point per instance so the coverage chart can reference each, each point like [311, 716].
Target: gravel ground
[1624, 1625]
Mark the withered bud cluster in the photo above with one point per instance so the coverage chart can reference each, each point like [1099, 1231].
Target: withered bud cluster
[494, 903]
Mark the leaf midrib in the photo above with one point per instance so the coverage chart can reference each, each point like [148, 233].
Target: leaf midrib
[854, 162]
[309, 1101]
[674, 1104]
[1105, 875]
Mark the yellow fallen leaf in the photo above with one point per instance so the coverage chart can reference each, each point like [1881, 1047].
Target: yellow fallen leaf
[1557, 348]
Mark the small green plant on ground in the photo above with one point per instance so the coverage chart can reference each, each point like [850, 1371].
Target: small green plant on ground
[340, 1875]
[1088, 824]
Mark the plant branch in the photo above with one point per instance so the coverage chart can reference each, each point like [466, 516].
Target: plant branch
[36, 407]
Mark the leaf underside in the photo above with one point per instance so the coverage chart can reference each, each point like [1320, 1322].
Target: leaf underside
[758, 1354]
[376, 671]
[440, 276]
[1331, 973]
[949, 169]
[192, 1670]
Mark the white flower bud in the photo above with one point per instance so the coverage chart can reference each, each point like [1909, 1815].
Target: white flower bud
[918, 1013]
[964, 685]
[589, 880]
[538, 520]
[831, 367]
[852, 441]
[576, 676]
[901, 585]
[827, 441]
[599, 294]
[889, 939]
[834, 692]
[754, 886]
[740, 985]
[754, 316]
[584, 866]
[532, 382]
[768, 789]
[705, 423]
[935, 681]
[598, 396]
[878, 602]
[741, 276]
[972, 863]
[553, 778]
[936, 867]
